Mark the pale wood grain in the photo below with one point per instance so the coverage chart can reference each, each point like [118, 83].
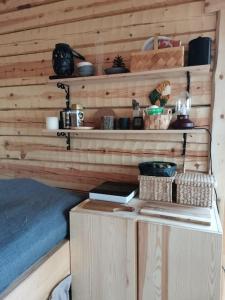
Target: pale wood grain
[68, 11]
[110, 29]
[218, 120]
[103, 257]
[214, 5]
[105, 94]
[100, 30]
[174, 266]
[14, 5]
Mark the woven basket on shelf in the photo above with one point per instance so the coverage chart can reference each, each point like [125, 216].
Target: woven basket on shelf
[157, 59]
[195, 189]
[152, 188]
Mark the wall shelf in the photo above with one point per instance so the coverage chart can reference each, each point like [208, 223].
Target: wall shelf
[67, 133]
[118, 131]
[162, 73]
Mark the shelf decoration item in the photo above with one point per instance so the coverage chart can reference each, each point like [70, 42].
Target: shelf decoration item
[200, 51]
[163, 42]
[63, 59]
[161, 94]
[163, 58]
[77, 116]
[108, 122]
[85, 68]
[157, 118]
[117, 67]
[52, 123]
[123, 123]
[195, 189]
[156, 181]
[183, 108]
[137, 121]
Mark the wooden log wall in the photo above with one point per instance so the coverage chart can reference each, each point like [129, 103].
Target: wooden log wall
[99, 29]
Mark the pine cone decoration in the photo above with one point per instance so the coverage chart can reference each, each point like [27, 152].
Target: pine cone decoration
[118, 62]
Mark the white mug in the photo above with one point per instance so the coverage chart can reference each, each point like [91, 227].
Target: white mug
[52, 123]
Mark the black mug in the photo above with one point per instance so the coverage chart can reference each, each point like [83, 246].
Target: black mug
[123, 123]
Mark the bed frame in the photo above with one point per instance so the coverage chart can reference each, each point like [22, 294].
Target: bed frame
[39, 280]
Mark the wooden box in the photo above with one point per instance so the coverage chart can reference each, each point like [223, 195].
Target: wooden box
[157, 59]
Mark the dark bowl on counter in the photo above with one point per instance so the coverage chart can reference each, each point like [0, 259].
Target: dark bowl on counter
[157, 168]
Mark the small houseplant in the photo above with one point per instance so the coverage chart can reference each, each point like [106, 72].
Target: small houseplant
[117, 67]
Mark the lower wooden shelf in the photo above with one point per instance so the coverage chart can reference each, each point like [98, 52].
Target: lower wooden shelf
[131, 131]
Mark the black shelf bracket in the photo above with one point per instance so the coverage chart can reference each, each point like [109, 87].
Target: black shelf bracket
[68, 138]
[184, 144]
[66, 88]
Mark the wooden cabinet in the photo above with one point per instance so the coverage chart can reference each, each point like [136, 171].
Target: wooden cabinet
[103, 257]
[126, 256]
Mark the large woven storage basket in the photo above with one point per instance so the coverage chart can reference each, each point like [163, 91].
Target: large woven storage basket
[152, 188]
[195, 189]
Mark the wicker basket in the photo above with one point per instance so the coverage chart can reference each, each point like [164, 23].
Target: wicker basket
[157, 59]
[153, 188]
[195, 189]
[157, 121]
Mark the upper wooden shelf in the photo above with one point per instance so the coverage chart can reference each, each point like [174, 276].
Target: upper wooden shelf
[119, 131]
[167, 73]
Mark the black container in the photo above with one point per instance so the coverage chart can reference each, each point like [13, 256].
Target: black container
[200, 51]
[123, 123]
[157, 168]
[137, 123]
[63, 59]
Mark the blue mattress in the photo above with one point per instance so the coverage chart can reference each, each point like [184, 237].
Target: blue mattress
[33, 219]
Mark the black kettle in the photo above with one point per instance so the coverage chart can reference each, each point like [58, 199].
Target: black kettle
[63, 59]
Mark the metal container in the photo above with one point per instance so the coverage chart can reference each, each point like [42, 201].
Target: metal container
[65, 119]
[77, 116]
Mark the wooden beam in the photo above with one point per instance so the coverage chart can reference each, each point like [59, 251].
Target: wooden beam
[214, 5]
[218, 124]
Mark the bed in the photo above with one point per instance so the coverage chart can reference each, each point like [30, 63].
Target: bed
[33, 236]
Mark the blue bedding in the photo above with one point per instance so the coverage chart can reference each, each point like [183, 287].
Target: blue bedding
[33, 219]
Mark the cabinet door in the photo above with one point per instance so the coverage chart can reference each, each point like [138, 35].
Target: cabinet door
[177, 263]
[103, 257]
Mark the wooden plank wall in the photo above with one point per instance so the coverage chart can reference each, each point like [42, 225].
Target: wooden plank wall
[99, 29]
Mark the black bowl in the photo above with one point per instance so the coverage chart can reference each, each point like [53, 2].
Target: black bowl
[116, 70]
[157, 168]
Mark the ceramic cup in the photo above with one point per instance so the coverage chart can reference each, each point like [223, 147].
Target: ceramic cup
[52, 123]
